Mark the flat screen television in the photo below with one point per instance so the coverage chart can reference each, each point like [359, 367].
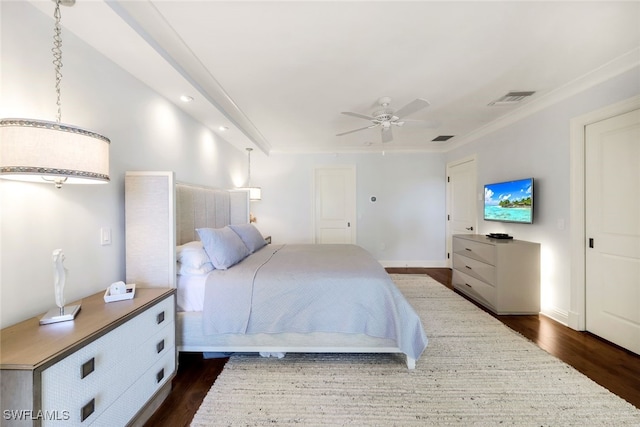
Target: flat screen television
[510, 201]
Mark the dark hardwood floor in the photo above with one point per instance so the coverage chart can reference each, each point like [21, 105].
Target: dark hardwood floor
[607, 364]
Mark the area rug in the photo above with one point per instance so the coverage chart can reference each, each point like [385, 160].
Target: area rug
[474, 372]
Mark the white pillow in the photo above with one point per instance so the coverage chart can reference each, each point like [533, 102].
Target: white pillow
[223, 245]
[192, 259]
[250, 236]
[185, 270]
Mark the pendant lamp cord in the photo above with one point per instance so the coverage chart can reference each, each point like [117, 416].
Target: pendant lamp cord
[249, 150]
[57, 57]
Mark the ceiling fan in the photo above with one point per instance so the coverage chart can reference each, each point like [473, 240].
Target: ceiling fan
[386, 117]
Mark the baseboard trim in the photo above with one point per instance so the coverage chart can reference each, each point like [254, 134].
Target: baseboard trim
[556, 314]
[575, 321]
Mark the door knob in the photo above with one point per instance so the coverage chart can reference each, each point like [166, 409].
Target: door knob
[469, 228]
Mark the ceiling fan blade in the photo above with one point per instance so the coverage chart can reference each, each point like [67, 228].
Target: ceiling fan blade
[356, 130]
[387, 135]
[412, 107]
[361, 116]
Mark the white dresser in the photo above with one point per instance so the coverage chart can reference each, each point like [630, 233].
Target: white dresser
[501, 274]
[111, 366]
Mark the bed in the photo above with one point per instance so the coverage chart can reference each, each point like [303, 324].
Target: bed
[270, 299]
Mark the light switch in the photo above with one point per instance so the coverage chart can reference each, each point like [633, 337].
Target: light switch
[105, 236]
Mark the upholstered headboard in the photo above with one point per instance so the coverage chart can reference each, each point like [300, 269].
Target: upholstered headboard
[160, 214]
[199, 207]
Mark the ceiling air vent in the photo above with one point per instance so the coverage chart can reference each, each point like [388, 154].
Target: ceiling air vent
[442, 138]
[512, 98]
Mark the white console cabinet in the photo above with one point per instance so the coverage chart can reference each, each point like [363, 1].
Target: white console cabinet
[501, 274]
[111, 366]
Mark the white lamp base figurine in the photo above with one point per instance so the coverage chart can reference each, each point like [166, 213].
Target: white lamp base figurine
[62, 313]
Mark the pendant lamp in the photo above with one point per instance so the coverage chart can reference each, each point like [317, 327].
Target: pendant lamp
[45, 151]
[255, 193]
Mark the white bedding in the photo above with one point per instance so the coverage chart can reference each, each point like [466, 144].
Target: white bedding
[311, 288]
[190, 292]
[298, 298]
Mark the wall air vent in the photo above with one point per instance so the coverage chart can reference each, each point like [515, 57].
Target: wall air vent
[442, 138]
[512, 98]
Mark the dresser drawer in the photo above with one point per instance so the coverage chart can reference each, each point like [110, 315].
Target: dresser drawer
[128, 404]
[158, 315]
[134, 366]
[91, 379]
[86, 401]
[479, 251]
[476, 289]
[83, 366]
[479, 270]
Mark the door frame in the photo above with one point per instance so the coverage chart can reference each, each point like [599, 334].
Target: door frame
[452, 164]
[577, 300]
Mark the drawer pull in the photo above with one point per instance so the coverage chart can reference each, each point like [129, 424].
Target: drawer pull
[469, 285]
[160, 346]
[467, 249]
[160, 317]
[87, 367]
[468, 267]
[160, 375]
[88, 409]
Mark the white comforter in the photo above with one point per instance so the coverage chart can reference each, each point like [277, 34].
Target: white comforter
[311, 288]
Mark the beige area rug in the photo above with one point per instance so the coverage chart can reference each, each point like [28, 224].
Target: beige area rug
[475, 371]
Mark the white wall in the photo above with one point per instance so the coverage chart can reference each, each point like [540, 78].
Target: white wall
[404, 227]
[538, 146]
[147, 132]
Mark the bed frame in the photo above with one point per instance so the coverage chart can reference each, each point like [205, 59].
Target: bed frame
[160, 214]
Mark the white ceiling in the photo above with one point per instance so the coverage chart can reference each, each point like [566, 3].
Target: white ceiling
[278, 74]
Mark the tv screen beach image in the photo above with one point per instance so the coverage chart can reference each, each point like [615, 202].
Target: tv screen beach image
[509, 201]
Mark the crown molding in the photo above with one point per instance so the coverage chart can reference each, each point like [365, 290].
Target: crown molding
[601, 74]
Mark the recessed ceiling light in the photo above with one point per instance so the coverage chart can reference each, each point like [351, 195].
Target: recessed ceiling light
[186, 98]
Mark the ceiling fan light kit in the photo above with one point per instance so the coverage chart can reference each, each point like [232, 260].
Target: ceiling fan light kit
[387, 117]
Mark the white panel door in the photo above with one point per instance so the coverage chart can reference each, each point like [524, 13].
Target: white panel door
[335, 204]
[461, 201]
[612, 188]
